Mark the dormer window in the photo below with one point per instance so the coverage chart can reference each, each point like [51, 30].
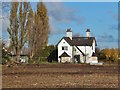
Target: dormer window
[64, 48]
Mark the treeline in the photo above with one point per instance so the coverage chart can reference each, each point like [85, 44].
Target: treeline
[28, 28]
[108, 55]
[47, 54]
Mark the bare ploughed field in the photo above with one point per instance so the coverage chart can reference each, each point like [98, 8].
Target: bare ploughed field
[60, 76]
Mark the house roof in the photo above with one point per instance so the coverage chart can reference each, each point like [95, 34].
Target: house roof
[79, 41]
[64, 55]
[83, 41]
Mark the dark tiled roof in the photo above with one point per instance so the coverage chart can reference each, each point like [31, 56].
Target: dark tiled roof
[83, 41]
[79, 41]
[69, 41]
[64, 55]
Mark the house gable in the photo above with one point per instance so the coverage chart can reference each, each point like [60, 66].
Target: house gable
[67, 39]
[68, 50]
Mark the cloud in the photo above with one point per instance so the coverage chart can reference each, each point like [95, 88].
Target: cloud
[59, 12]
[106, 38]
[60, 15]
[54, 29]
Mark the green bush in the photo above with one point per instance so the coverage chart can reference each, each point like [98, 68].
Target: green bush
[49, 53]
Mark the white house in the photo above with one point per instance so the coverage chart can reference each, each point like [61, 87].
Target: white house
[77, 49]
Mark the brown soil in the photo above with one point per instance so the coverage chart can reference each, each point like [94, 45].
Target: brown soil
[60, 76]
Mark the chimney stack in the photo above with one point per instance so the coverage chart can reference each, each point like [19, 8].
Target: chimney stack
[88, 33]
[69, 33]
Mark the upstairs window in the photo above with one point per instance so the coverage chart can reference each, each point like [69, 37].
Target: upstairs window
[64, 48]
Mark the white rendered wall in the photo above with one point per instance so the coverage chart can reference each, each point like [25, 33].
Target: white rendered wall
[86, 50]
[65, 59]
[60, 51]
[93, 44]
[87, 34]
[77, 52]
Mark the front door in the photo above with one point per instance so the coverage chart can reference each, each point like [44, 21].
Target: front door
[77, 58]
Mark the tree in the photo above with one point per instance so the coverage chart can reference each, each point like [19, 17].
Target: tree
[26, 25]
[114, 54]
[100, 54]
[107, 53]
[40, 30]
[31, 32]
[111, 54]
[13, 29]
[44, 29]
[18, 26]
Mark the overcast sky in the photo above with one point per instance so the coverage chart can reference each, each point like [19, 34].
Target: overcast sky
[100, 17]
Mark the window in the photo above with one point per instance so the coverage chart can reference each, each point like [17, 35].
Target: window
[64, 48]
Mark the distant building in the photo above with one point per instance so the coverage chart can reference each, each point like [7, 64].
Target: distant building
[24, 55]
[77, 49]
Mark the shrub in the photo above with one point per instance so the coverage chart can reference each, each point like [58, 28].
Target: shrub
[49, 53]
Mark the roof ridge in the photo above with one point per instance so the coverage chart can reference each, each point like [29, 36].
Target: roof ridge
[79, 41]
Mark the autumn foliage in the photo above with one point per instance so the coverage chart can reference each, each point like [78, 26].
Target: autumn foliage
[107, 54]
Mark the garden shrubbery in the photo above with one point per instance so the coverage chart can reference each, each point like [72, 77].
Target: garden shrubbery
[48, 54]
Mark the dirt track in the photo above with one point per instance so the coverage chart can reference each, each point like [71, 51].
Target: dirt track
[60, 76]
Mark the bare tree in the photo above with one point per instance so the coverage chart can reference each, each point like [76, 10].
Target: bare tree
[18, 26]
[40, 31]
